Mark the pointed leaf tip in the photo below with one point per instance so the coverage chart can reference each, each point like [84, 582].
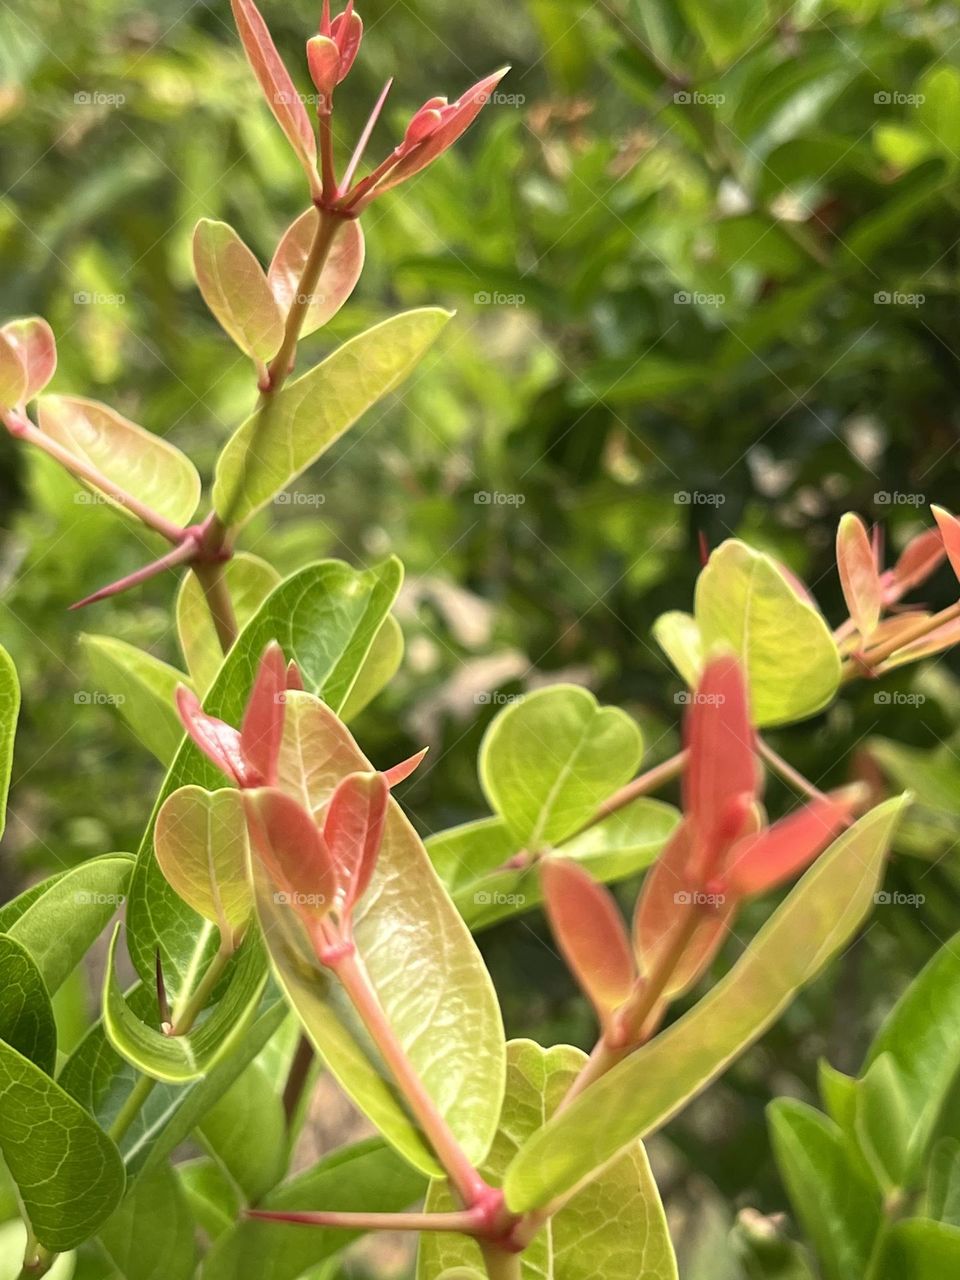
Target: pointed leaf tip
[859, 574]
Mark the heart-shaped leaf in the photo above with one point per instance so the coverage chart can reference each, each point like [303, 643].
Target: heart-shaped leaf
[27, 1023]
[201, 845]
[249, 581]
[422, 961]
[614, 1227]
[654, 1083]
[141, 687]
[136, 460]
[340, 273]
[325, 618]
[69, 1174]
[235, 288]
[36, 348]
[9, 710]
[178, 1058]
[548, 761]
[271, 449]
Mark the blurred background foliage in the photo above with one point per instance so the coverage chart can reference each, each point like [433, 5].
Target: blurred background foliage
[705, 262]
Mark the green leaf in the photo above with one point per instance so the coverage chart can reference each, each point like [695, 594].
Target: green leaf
[249, 581]
[13, 1244]
[9, 710]
[247, 1135]
[619, 846]
[59, 924]
[201, 846]
[678, 636]
[938, 109]
[235, 288]
[834, 1202]
[614, 1227]
[744, 602]
[27, 1023]
[102, 1081]
[325, 617]
[883, 1123]
[151, 1235]
[136, 460]
[368, 1176]
[178, 1059]
[141, 687]
[68, 1173]
[382, 664]
[422, 961]
[917, 1250]
[211, 1195]
[269, 451]
[547, 762]
[839, 1094]
[815, 921]
[726, 27]
[943, 1183]
[921, 1039]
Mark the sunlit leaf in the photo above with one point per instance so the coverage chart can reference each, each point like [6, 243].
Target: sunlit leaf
[201, 845]
[614, 1227]
[654, 1083]
[269, 451]
[35, 346]
[381, 665]
[27, 1023]
[249, 581]
[9, 710]
[235, 288]
[13, 376]
[678, 636]
[141, 687]
[422, 962]
[140, 462]
[340, 273]
[859, 575]
[548, 761]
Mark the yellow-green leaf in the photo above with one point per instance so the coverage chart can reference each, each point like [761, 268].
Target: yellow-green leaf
[9, 710]
[201, 845]
[235, 288]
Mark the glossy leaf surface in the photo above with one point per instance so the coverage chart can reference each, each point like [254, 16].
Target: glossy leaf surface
[26, 1015]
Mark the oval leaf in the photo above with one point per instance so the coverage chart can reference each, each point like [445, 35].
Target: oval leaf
[137, 460]
[36, 348]
[339, 276]
[859, 576]
[201, 846]
[151, 1235]
[13, 376]
[235, 288]
[269, 451]
[142, 689]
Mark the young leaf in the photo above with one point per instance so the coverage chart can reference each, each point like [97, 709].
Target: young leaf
[278, 89]
[141, 687]
[949, 527]
[430, 979]
[743, 601]
[151, 1235]
[13, 376]
[201, 846]
[859, 575]
[235, 288]
[138, 461]
[287, 843]
[615, 1227]
[59, 924]
[179, 1058]
[654, 1083]
[834, 1202]
[548, 761]
[324, 617]
[267, 452]
[353, 830]
[839, 1094]
[589, 930]
[762, 861]
[35, 346]
[69, 1174]
[246, 1133]
[27, 1023]
[9, 710]
[678, 636]
[249, 581]
[339, 276]
[368, 1173]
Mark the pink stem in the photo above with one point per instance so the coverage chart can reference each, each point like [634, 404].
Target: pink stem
[365, 136]
[187, 550]
[467, 1222]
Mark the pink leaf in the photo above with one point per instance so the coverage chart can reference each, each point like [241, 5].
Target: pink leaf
[262, 728]
[949, 527]
[347, 30]
[859, 575]
[33, 341]
[288, 843]
[590, 932]
[400, 772]
[218, 741]
[323, 60]
[353, 831]
[919, 558]
[339, 276]
[763, 861]
[13, 376]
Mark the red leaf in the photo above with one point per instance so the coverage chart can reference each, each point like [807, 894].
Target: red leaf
[949, 527]
[353, 831]
[289, 845]
[218, 741]
[262, 727]
[278, 89]
[323, 60]
[347, 31]
[400, 772]
[919, 558]
[859, 575]
[763, 861]
[590, 933]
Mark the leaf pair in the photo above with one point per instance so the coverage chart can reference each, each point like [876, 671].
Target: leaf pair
[250, 304]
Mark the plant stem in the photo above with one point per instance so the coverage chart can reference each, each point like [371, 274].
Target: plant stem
[37, 1260]
[652, 780]
[500, 1264]
[358, 986]
[872, 658]
[466, 1221]
[128, 1112]
[788, 772]
[212, 578]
